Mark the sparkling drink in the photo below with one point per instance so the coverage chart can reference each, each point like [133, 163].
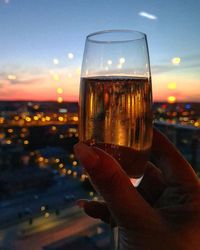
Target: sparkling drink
[115, 115]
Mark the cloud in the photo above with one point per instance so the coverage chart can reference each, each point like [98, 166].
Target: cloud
[158, 69]
[30, 81]
[167, 67]
[147, 15]
[20, 80]
[191, 57]
[20, 74]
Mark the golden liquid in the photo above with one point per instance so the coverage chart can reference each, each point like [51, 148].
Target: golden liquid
[115, 115]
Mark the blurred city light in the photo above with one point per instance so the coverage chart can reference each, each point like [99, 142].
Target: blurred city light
[61, 165]
[2, 119]
[26, 142]
[28, 119]
[188, 106]
[74, 174]
[64, 171]
[171, 99]
[47, 118]
[46, 215]
[40, 159]
[59, 99]
[16, 118]
[69, 171]
[57, 160]
[83, 177]
[61, 136]
[63, 110]
[71, 156]
[53, 128]
[8, 141]
[42, 208]
[75, 118]
[74, 163]
[60, 119]
[36, 106]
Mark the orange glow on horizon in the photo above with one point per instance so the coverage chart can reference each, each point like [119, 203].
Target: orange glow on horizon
[44, 88]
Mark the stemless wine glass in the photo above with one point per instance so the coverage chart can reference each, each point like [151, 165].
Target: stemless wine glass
[116, 97]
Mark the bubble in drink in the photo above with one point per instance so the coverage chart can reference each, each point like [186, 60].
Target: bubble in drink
[115, 113]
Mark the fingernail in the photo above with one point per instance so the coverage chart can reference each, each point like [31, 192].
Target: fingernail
[81, 203]
[86, 155]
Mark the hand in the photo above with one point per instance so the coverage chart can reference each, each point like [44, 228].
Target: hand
[163, 214]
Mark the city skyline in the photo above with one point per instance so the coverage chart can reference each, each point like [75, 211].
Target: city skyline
[42, 44]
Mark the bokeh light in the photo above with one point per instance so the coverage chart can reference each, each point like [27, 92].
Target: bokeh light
[122, 60]
[59, 99]
[46, 215]
[78, 71]
[56, 77]
[176, 60]
[109, 62]
[12, 77]
[70, 55]
[171, 99]
[171, 85]
[119, 66]
[55, 61]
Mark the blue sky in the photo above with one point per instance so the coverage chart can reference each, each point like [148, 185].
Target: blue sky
[33, 32]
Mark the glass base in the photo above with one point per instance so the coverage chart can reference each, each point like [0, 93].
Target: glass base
[115, 230]
[114, 238]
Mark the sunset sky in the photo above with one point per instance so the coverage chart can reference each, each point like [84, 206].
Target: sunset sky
[42, 42]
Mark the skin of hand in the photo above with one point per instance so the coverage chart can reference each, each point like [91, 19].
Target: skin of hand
[163, 213]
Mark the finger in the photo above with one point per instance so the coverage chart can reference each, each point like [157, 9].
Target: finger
[152, 185]
[122, 199]
[176, 170]
[95, 209]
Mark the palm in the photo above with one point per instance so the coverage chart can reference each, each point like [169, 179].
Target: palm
[163, 213]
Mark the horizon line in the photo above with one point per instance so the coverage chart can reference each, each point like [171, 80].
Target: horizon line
[76, 101]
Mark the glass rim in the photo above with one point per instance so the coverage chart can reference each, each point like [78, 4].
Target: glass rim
[140, 35]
